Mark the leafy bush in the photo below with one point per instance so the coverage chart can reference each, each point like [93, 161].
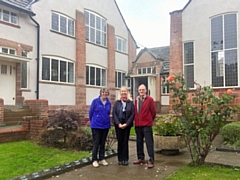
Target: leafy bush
[167, 125]
[231, 133]
[80, 140]
[202, 114]
[59, 125]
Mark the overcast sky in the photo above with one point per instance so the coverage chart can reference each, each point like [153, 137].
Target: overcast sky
[149, 20]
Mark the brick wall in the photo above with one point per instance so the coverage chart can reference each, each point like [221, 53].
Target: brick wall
[38, 107]
[35, 128]
[111, 62]
[175, 57]
[80, 69]
[1, 112]
[13, 134]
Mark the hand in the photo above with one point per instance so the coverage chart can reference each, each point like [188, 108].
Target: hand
[124, 126]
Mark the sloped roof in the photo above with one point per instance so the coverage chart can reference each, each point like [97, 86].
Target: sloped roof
[21, 5]
[126, 24]
[158, 53]
[176, 11]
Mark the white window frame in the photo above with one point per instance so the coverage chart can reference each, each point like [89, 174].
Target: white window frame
[70, 28]
[164, 89]
[186, 65]
[144, 70]
[221, 60]
[122, 79]
[25, 78]
[120, 44]
[49, 71]
[8, 50]
[96, 28]
[95, 79]
[12, 17]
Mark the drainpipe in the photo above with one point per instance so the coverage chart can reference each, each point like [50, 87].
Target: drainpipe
[38, 50]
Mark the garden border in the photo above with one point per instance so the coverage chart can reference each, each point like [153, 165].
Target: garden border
[60, 169]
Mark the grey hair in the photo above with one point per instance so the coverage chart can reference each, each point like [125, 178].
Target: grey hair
[104, 90]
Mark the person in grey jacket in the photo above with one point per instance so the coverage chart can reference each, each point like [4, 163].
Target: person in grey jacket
[123, 116]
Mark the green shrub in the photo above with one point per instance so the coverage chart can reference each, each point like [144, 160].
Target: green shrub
[231, 133]
[80, 140]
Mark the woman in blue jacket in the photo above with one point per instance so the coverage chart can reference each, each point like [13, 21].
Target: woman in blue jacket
[99, 116]
[123, 115]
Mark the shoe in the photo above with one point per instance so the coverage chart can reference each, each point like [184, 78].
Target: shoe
[139, 161]
[120, 163]
[150, 165]
[95, 164]
[103, 162]
[125, 163]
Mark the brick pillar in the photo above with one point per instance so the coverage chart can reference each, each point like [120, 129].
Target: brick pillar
[38, 107]
[176, 61]
[80, 69]
[176, 57]
[19, 99]
[2, 113]
[111, 62]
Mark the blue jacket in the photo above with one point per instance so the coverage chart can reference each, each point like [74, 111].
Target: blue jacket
[99, 114]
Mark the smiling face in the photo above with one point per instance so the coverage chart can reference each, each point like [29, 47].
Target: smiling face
[142, 90]
[104, 94]
[123, 92]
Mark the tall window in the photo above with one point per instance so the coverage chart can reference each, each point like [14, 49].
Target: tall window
[189, 64]
[96, 28]
[57, 70]
[62, 24]
[119, 79]
[8, 16]
[165, 89]
[24, 78]
[224, 50]
[95, 76]
[120, 44]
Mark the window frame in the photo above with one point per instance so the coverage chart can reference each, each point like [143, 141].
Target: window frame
[186, 64]
[8, 50]
[68, 27]
[221, 75]
[49, 70]
[122, 47]
[99, 73]
[165, 90]
[122, 79]
[145, 70]
[12, 17]
[96, 28]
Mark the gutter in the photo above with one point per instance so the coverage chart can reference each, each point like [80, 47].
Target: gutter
[38, 50]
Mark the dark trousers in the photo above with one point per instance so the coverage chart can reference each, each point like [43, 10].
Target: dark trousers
[122, 145]
[141, 133]
[99, 138]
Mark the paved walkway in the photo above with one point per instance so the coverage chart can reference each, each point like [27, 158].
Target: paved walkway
[164, 165]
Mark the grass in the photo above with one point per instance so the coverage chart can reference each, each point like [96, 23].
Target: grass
[20, 158]
[132, 132]
[206, 172]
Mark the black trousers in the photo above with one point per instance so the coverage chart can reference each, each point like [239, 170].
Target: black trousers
[99, 138]
[122, 144]
[141, 133]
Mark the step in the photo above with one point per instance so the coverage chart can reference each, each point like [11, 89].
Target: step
[11, 123]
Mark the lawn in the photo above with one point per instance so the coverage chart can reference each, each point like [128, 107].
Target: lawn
[20, 158]
[207, 172]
